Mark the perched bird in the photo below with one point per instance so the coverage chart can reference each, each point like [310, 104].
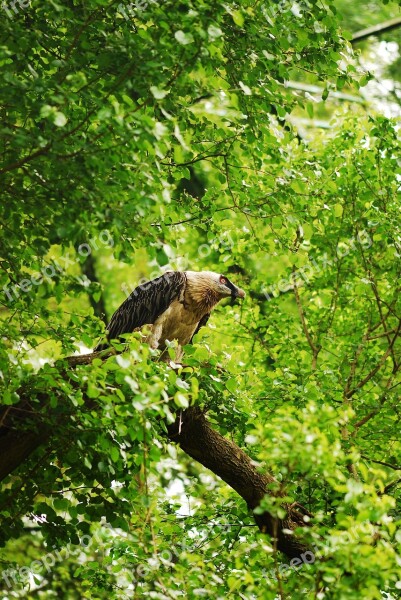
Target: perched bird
[175, 306]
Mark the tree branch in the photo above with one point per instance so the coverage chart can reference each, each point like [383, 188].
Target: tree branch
[378, 366]
[315, 348]
[193, 433]
[376, 30]
[201, 442]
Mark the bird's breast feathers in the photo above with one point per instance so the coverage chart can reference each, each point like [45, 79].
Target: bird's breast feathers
[176, 323]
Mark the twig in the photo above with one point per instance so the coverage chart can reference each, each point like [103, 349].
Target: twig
[315, 348]
[373, 372]
[381, 462]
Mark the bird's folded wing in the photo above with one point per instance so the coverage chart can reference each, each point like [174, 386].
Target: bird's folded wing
[146, 303]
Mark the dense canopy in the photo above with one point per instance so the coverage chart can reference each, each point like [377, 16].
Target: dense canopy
[248, 138]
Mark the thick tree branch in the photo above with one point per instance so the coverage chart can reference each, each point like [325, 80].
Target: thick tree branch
[200, 441]
[22, 431]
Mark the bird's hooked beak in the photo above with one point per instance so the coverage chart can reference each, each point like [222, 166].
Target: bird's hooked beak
[237, 293]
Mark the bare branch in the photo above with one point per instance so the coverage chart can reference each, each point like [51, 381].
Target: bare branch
[373, 372]
[376, 30]
[315, 348]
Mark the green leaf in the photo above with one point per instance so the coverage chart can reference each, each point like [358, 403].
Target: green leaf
[59, 119]
[180, 400]
[158, 93]
[232, 385]
[114, 454]
[338, 210]
[184, 38]
[214, 32]
[237, 17]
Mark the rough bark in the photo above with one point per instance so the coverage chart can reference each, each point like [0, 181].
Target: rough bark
[200, 441]
[193, 433]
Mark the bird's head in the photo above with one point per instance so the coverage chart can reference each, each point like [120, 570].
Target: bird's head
[226, 288]
[216, 283]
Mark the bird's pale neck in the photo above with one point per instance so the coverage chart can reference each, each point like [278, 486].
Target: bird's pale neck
[200, 295]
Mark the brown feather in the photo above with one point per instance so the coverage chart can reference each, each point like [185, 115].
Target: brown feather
[200, 297]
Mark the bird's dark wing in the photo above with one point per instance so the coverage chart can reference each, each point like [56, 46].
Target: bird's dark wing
[201, 323]
[144, 305]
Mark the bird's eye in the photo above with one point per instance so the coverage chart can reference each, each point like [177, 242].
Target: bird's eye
[223, 280]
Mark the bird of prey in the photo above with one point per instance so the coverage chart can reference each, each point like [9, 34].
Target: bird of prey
[175, 306]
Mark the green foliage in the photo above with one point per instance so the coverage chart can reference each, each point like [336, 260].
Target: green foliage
[158, 137]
